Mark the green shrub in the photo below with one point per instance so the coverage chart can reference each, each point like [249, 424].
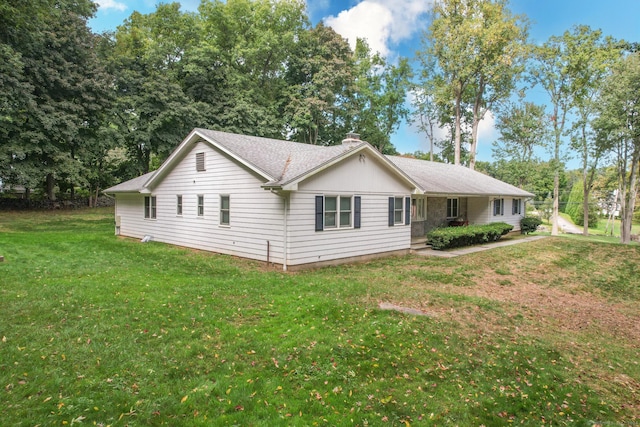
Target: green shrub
[529, 224]
[455, 237]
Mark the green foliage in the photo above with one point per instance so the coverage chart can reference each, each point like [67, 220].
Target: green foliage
[478, 50]
[529, 224]
[575, 206]
[56, 92]
[454, 237]
[618, 127]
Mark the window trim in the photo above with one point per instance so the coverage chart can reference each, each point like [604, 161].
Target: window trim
[227, 210]
[457, 207]
[200, 205]
[498, 207]
[179, 207]
[150, 207]
[355, 209]
[516, 206]
[337, 213]
[404, 213]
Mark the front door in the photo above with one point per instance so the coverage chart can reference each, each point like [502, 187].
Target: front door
[418, 215]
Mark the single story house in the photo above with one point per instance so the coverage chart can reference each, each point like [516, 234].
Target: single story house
[300, 205]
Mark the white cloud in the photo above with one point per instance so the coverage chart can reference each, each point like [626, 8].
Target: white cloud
[111, 4]
[487, 131]
[367, 20]
[380, 22]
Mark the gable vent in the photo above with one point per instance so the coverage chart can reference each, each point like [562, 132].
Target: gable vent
[200, 162]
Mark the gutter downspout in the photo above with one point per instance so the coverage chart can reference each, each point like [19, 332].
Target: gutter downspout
[285, 254]
[285, 203]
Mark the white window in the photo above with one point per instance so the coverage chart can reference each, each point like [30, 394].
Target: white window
[200, 162]
[337, 212]
[200, 205]
[224, 210]
[398, 217]
[516, 208]
[498, 207]
[452, 208]
[179, 205]
[150, 207]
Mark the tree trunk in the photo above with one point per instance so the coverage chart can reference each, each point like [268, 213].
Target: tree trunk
[477, 116]
[585, 203]
[474, 143]
[627, 217]
[51, 183]
[458, 130]
[556, 202]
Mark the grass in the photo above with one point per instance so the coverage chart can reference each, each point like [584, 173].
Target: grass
[107, 331]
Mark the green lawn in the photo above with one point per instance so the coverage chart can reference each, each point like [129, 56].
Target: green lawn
[106, 331]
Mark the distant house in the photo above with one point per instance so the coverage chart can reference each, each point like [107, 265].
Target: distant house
[301, 205]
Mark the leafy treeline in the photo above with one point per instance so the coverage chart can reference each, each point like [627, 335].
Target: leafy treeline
[80, 110]
[476, 59]
[85, 110]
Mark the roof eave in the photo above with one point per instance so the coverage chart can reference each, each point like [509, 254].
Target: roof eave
[292, 184]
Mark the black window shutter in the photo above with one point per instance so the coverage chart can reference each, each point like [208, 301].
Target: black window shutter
[391, 208]
[407, 210]
[356, 212]
[319, 212]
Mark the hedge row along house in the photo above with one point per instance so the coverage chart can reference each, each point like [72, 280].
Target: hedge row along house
[300, 205]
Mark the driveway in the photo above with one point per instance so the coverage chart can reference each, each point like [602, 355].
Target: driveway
[568, 227]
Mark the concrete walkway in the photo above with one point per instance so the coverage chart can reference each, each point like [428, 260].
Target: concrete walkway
[451, 253]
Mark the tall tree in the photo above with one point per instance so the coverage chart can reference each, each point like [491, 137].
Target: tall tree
[247, 50]
[479, 48]
[619, 121]
[151, 110]
[522, 130]
[590, 58]
[320, 80]
[65, 90]
[378, 101]
[551, 70]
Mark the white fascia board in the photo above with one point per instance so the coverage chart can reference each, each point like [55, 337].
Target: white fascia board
[167, 164]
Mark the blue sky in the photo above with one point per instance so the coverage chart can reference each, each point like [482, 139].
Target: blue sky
[393, 27]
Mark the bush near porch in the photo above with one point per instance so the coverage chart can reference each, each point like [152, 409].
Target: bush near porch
[455, 237]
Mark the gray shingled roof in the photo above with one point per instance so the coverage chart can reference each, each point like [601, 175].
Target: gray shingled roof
[283, 162]
[448, 179]
[134, 185]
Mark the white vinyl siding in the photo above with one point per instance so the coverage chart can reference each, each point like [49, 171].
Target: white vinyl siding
[373, 185]
[375, 236]
[255, 231]
[480, 210]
